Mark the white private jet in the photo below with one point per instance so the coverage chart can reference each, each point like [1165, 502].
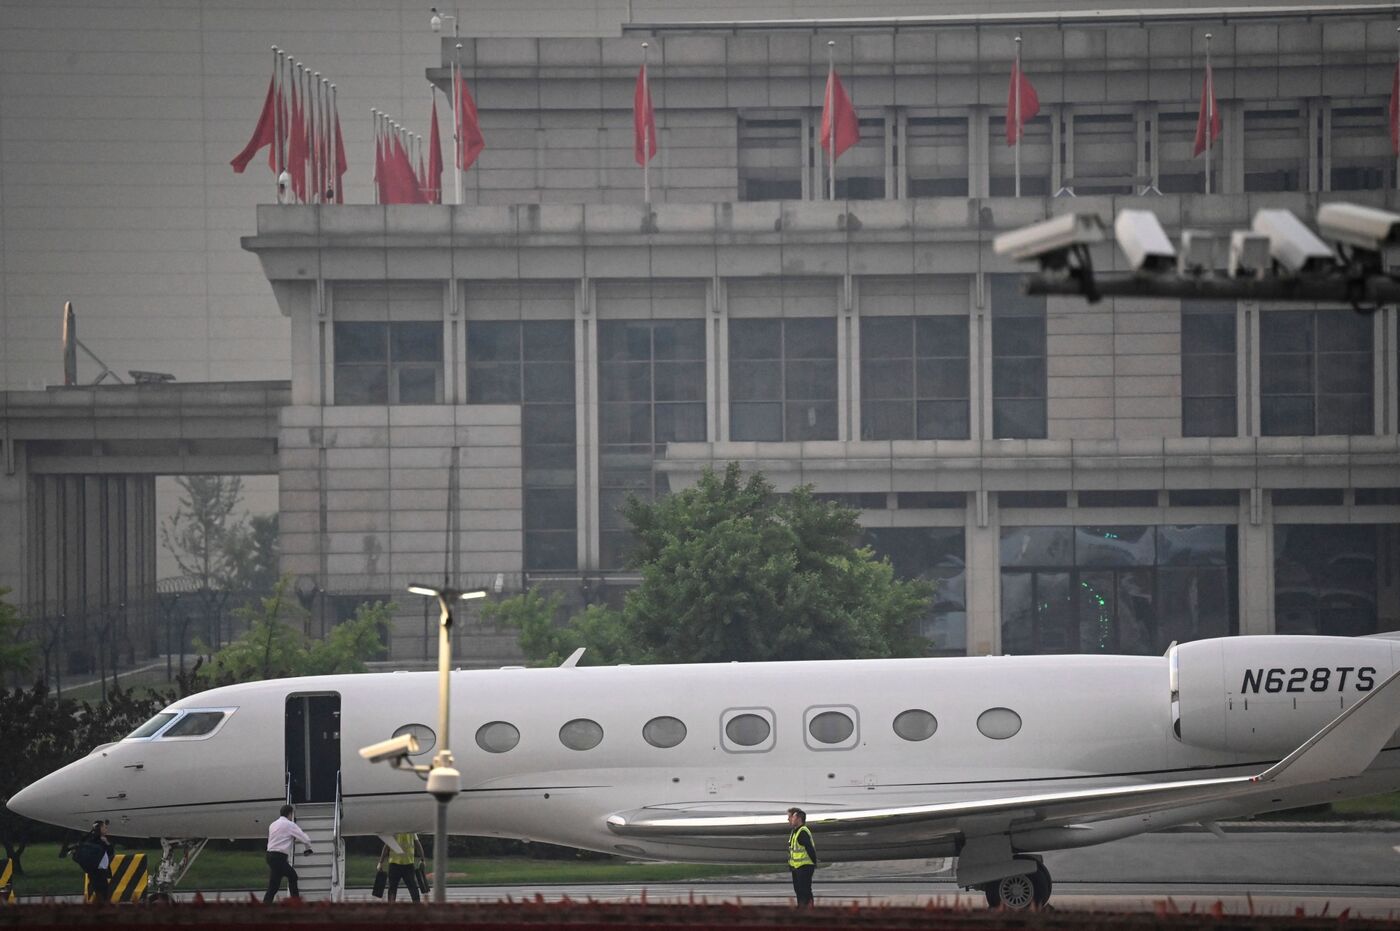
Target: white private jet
[987, 759]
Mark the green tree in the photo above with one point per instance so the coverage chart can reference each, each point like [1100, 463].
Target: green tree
[250, 554]
[277, 642]
[16, 655]
[197, 533]
[732, 571]
[548, 643]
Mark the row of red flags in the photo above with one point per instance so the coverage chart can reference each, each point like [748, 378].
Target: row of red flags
[300, 127]
[312, 150]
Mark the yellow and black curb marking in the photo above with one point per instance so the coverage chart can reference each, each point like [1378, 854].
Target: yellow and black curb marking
[7, 882]
[129, 878]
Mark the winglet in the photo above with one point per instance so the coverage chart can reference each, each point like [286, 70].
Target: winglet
[1346, 746]
[573, 659]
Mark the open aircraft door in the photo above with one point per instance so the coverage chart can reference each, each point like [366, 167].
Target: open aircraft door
[313, 746]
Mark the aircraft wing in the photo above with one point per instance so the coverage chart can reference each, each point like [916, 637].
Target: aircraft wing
[1341, 750]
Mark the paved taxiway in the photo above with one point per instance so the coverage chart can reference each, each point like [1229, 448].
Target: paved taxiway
[1269, 871]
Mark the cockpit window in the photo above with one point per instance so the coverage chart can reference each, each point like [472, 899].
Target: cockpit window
[195, 724]
[153, 725]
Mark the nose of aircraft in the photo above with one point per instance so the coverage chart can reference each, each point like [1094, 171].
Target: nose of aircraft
[55, 799]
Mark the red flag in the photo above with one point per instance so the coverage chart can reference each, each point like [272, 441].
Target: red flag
[265, 133]
[341, 165]
[643, 121]
[1030, 104]
[1395, 111]
[1209, 111]
[470, 141]
[296, 148]
[434, 159]
[403, 182]
[837, 112]
[380, 179]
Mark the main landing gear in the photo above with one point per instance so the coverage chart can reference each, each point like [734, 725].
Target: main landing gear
[1020, 892]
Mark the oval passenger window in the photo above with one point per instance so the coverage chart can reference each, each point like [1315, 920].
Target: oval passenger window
[581, 734]
[999, 723]
[831, 727]
[664, 732]
[747, 730]
[422, 733]
[915, 724]
[497, 737]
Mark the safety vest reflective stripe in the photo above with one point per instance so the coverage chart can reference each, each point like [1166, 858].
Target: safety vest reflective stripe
[797, 854]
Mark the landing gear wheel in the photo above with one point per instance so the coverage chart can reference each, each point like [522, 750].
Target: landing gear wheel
[1018, 893]
[1013, 893]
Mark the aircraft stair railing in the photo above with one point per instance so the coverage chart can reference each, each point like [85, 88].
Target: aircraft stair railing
[338, 850]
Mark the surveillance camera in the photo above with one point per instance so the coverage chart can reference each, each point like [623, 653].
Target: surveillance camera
[1197, 253]
[1249, 254]
[1049, 242]
[1143, 241]
[391, 750]
[1291, 244]
[1362, 227]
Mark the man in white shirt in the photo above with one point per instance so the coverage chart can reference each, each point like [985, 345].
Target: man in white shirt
[280, 836]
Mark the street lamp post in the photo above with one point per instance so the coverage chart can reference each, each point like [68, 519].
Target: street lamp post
[444, 782]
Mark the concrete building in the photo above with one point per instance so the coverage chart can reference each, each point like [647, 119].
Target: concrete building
[477, 387]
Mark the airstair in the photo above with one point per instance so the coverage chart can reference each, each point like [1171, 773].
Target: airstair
[321, 876]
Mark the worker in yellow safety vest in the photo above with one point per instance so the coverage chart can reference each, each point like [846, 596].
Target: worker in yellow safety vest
[403, 865]
[802, 856]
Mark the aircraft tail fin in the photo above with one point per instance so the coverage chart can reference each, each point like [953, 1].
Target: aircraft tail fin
[1346, 746]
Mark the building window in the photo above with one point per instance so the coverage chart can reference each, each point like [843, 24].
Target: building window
[531, 363]
[1208, 380]
[651, 381]
[1018, 361]
[782, 379]
[1178, 170]
[1315, 373]
[1340, 580]
[1035, 159]
[388, 363]
[1360, 143]
[936, 555]
[1116, 589]
[860, 170]
[770, 159]
[1275, 150]
[914, 378]
[1105, 154]
[935, 153]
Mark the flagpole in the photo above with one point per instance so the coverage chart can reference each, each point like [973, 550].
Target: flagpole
[646, 128]
[374, 132]
[335, 121]
[1019, 127]
[326, 144]
[457, 118]
[831, 117]
[317, 128]
[432, 105]
[1210, 111]
[1397, 67]
[276, 123]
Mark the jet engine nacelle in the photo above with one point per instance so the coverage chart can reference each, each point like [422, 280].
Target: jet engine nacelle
[1269, 694]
